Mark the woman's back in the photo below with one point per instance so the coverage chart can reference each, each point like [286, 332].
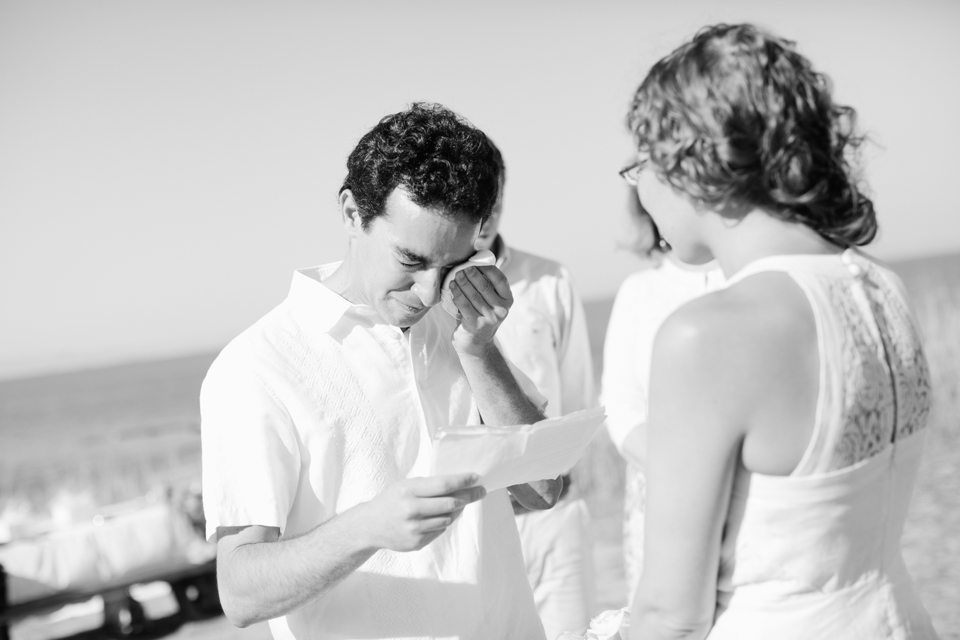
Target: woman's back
[817, 553]
[786, 412]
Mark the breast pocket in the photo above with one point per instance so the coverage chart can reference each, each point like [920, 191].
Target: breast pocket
[530, 342]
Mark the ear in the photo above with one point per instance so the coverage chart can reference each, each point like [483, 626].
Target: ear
[350, 214]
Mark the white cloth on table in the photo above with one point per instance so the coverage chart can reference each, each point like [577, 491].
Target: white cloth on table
[816, 554]
[545, 336]
[138, 539]
[318, 407]
[643, 302]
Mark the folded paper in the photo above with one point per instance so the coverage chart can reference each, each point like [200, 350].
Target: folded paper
[506, 456]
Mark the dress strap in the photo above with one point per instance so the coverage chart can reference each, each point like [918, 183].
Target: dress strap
[796, 262]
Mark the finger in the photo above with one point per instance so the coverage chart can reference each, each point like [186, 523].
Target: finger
[430, 537]
[442, 485]
[473, 294]
[466, 308]
[470, 494]
[456, 501]
[498, 280]
[438, 523]
[486, 289]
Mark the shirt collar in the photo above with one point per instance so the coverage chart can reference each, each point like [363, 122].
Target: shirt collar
[316, 305]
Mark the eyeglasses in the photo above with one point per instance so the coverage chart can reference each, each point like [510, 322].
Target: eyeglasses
[631, 173]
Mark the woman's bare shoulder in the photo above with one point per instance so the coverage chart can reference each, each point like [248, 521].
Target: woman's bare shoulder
[766, 303]
[735, 339]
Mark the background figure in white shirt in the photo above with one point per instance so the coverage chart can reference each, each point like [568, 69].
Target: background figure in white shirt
[317, 421]
[545, 336]
[643, 302]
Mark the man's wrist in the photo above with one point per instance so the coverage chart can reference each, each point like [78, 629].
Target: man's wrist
[363, 535]
[475, 351]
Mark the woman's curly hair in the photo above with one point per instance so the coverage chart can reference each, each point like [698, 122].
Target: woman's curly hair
[440, 160]
[737, 117]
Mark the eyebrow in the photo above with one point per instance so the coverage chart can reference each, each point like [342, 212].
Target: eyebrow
[411, 256]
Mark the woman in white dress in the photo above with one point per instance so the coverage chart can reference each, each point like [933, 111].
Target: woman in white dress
[787, 410]
[643, 302]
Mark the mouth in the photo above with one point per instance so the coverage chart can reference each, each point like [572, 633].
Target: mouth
[413, 310]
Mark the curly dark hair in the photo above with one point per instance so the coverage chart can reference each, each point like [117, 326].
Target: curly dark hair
[737, 117]
[439, 159]
[498, 160]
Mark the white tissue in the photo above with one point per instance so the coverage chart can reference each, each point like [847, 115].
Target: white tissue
[479, 259]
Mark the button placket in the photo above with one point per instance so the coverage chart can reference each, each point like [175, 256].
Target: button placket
[419, 388]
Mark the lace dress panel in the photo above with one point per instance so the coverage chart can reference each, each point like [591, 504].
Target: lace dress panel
[885, 380]
[910, 370]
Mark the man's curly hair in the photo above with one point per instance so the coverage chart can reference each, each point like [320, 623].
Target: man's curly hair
[438, 158]
[737, 117]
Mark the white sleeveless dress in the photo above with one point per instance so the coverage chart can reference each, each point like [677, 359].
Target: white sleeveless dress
[816, 554]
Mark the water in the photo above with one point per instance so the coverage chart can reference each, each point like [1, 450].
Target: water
[115, 433]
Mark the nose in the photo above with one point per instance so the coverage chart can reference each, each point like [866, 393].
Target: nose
[427, 287]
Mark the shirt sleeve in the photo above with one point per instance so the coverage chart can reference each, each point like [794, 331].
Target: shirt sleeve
[578, 390]
[624, 389]
[250, 451]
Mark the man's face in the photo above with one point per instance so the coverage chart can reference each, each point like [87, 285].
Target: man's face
[399, 261]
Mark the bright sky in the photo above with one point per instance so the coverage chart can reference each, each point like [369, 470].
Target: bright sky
[165, 165]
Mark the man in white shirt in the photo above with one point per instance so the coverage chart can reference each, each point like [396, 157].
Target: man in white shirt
[317, 421]
[546, 337]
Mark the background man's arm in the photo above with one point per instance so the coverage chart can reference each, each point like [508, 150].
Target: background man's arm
[483, 296]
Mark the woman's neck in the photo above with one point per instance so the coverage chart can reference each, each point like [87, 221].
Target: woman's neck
[759, 235]
[686, 266]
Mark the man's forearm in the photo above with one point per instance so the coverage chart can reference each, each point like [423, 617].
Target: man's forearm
[263, 580]
[502, 402]
[499, 396]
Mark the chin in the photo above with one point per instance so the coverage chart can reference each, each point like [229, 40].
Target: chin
[694, 256]
[403, 317]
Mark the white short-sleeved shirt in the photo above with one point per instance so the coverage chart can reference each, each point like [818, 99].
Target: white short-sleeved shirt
[318, 407]
[545, 335]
